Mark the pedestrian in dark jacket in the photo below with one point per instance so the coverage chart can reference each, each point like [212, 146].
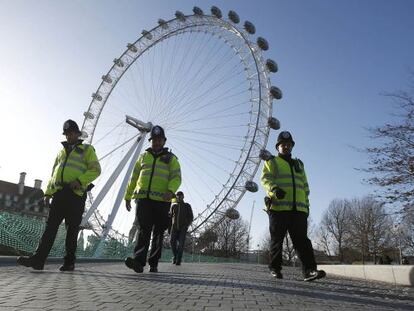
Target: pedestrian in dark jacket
[181, 218]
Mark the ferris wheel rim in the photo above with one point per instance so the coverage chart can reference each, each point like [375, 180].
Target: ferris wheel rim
[192, 22]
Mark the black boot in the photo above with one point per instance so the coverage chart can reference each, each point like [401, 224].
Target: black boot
[67, 267]
[30, 262]
[276, 274]
[131, 263]
[311, 275]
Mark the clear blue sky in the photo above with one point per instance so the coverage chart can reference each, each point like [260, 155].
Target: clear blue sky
[335, 59]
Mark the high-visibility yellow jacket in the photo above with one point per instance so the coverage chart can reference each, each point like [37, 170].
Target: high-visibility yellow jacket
[154, 175]
[290, 177]
[79, 163]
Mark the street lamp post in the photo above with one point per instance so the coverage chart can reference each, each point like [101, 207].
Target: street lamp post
[397, 230]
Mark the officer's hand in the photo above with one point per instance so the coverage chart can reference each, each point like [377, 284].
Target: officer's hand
[268, 202]
[168, 196]
[46, 200]
[279, 192]
[75, 185]
[128, 205]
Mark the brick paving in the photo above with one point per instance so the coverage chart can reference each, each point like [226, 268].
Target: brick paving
[232, 287]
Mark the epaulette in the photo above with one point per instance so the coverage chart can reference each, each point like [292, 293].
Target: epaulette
[167, 157]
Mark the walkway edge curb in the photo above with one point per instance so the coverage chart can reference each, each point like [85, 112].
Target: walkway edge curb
[397, 275]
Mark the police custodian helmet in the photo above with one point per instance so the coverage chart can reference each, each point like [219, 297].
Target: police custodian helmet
[70, 126]
[284, 136]
[157, 131]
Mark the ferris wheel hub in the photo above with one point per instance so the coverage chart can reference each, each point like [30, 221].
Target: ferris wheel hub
[138, 124]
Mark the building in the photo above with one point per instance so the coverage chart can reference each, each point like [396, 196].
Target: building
[21, 199]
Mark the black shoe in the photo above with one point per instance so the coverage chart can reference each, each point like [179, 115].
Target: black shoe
[29, 262]
[132, 264]
[174, 260]
[153, 269]
[178, 263]
[314, 275]
[66, 267]
[276, 274]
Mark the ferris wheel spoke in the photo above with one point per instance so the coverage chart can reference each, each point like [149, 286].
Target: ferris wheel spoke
[141, 69]
[189, 80]
[137, 99]
[110, 132]
[210, 134]
[118, 147]
[160, 83]
[148, 95]
[191, 191]
[213, 118]
[218, 99]
[220, 145]
[194, 85]
[201, 104]
[199, 99]
[217, 155]
[175, 80]
[195, 168]
[172, 72]
[153, 97]
[213, 136]
[193, 150]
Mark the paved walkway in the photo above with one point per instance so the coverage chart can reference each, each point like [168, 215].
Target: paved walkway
[111, 286]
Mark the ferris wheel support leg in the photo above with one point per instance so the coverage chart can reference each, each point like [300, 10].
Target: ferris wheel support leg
[120, 196]
[101, 195]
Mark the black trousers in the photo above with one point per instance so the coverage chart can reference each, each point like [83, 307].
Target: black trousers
[296, 223]
[153, 219]
[68, 206]
[177, 242]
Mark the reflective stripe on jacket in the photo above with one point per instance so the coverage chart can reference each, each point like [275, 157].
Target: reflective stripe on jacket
[79, 163]
[154, 175]
[277, 172]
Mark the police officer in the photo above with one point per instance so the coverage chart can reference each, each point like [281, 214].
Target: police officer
[76, 166]
[181, 218]
[285, 182]
[155, 179]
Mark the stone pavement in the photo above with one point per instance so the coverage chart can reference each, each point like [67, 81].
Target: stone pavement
[111, 286]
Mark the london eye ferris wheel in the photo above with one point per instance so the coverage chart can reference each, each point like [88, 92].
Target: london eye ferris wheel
[205, 79]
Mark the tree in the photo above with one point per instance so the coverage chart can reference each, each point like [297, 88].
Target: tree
[91, 245]
[324, 240]
[391, 164]
[231, 237]
[289, 253]
[264, 248]
[206, 241]
[369, 227]
[335, 227]
[404, 238]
